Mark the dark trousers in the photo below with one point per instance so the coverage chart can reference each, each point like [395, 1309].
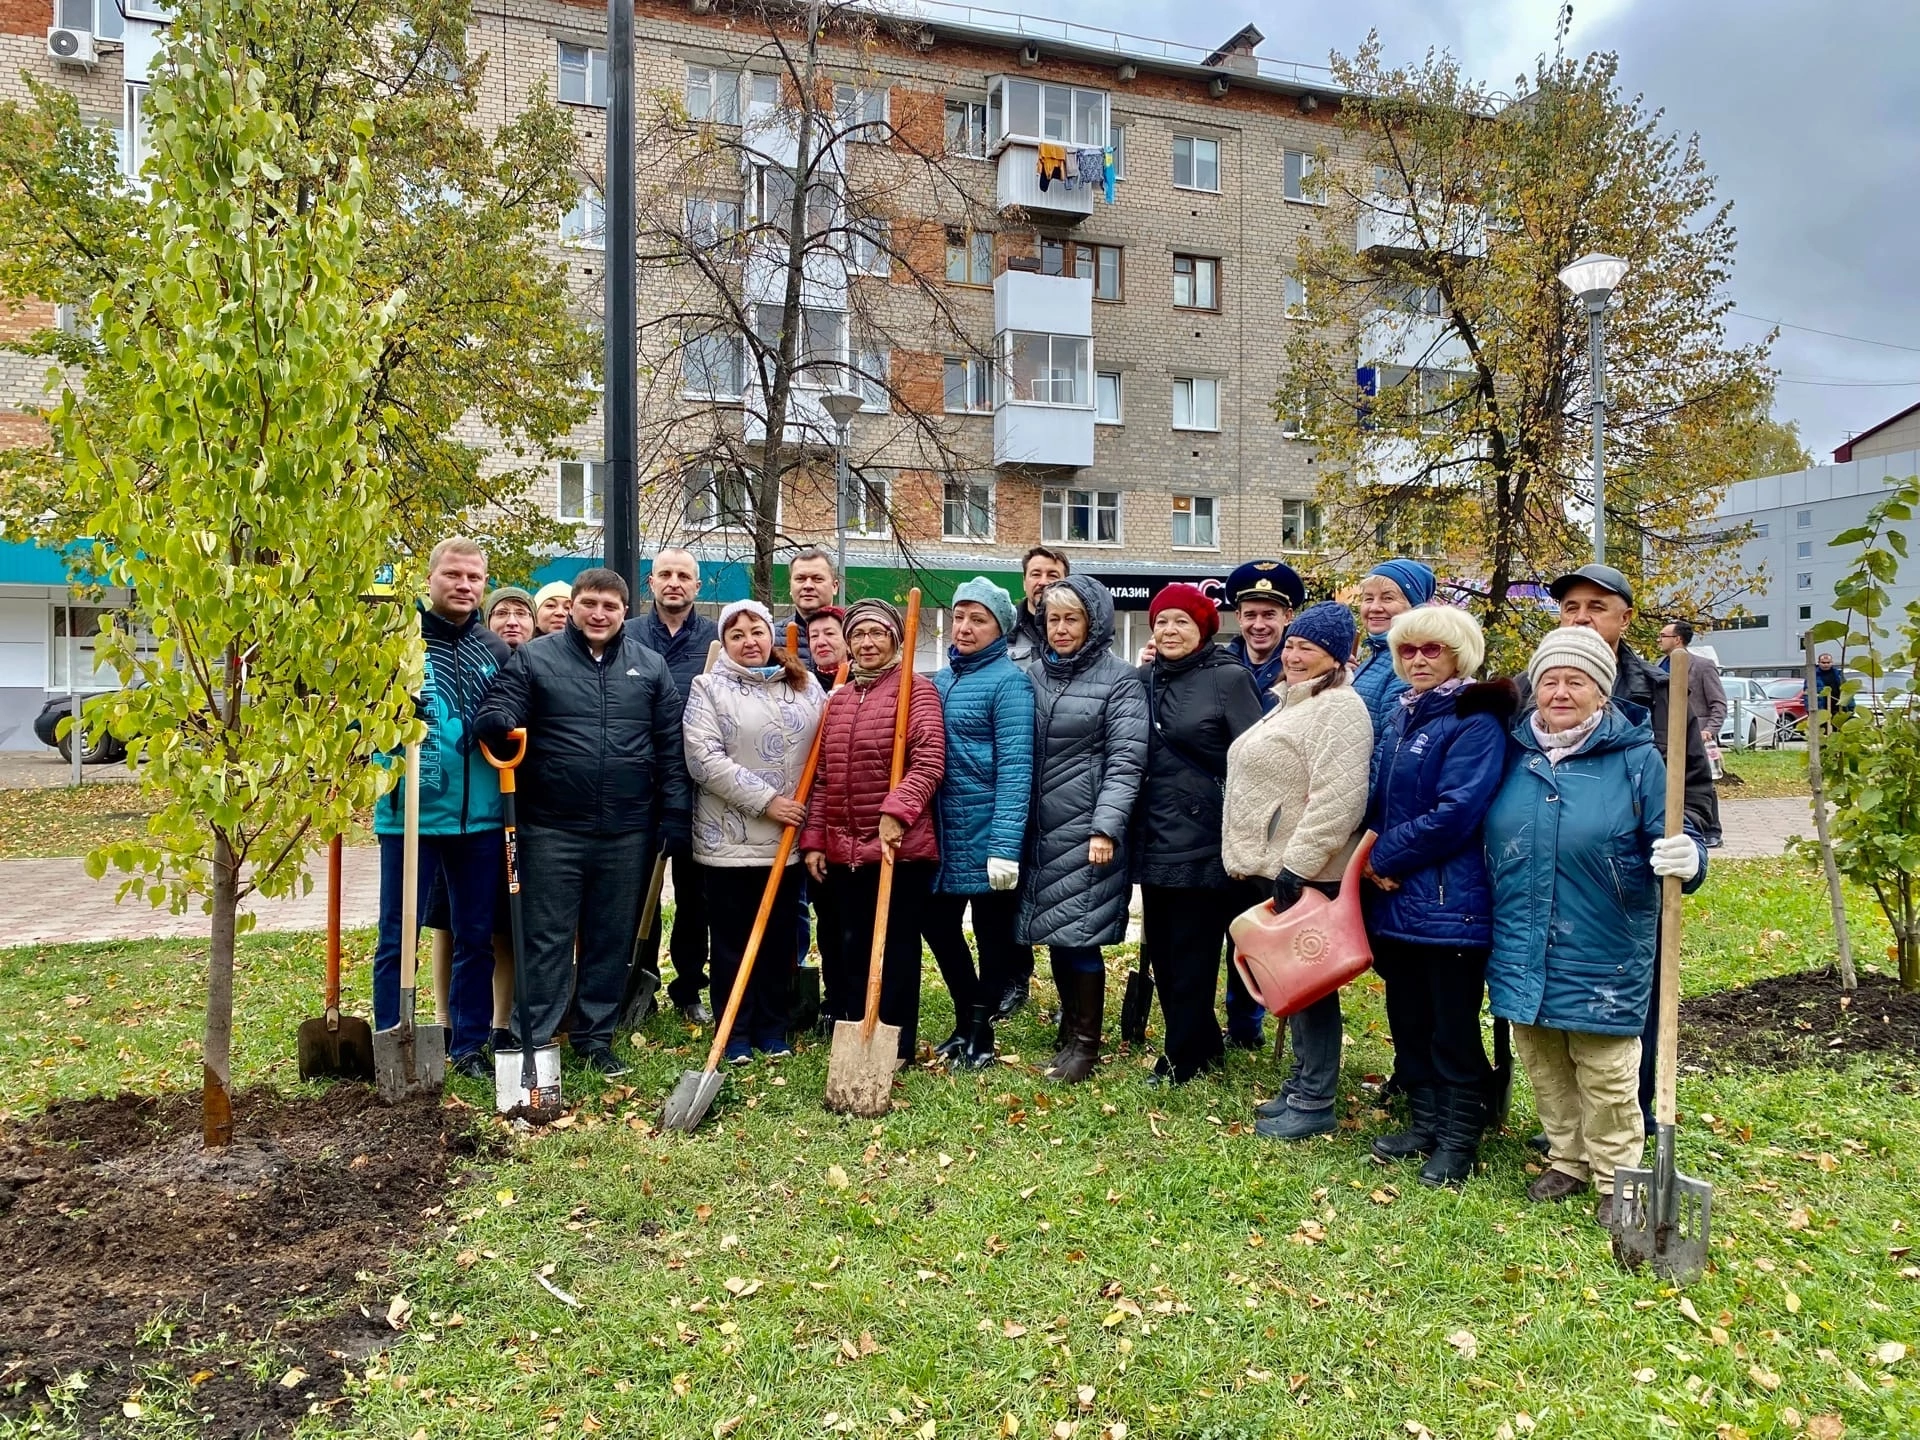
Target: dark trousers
[591, 886]
[469, 866]
[1183, 932]
[854, 892]
[1316, 1034]
[687, 943]
[1650, 1045]
[1433, 1013]
[994, 914]
[1244, 1014]
[733, 900]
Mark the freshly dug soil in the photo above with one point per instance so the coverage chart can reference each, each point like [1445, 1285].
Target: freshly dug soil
[130, 1248]
[1795, 1020]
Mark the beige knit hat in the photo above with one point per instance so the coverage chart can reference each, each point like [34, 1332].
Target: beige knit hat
[1579, 646]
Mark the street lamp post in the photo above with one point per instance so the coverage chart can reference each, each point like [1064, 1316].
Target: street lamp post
[842, 406]
[621, 400]
[1593, 278]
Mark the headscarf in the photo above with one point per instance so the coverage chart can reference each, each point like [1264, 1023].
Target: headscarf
[883, 613]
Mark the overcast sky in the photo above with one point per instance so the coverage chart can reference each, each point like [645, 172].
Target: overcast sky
[1805, 110]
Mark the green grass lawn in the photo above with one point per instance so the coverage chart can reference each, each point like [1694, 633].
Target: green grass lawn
[1001, 1256]
[1766, 774]
[62, 820]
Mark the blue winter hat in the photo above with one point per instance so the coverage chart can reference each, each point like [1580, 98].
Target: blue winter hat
[982, 591]
[1328, 625]
[1415, 580]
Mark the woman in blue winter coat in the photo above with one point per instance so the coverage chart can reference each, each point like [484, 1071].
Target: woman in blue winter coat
[1389, 590]
[1438, 764]
[980, 815]
[1575, 850]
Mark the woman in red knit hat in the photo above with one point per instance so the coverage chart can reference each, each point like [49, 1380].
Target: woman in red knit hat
[1199, 699]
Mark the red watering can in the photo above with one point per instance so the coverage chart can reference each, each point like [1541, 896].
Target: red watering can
[1290, 960]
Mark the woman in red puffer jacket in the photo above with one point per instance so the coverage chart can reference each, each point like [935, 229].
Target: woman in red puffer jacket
[854, 813]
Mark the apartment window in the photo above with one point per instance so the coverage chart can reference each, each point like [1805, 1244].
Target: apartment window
[865, 505]
[1806, 612]
[1098, 263]
[711, 220]
[1803, 519]
[583, 75]
[1803, 580]
[1030, 110]
[966, 510]
[1299, 524]
[1196, 283]
[713, 94]
[1196, 403]
[1047, 369]
[969, 257]
[101, 17]
[1803, 550]
[713, 365]
[772, 197]
[1080, 517]
[873, 359]
[137, 142]
[820, 355]
[1428, 397]
[1117, 142]
[1408, 298]
[1196, 162]
[585, 225]
[967, 128]
[75, 320]
[1107, 398]
[969, 385]
[1296, 421]
[763, 94]
[1296, 298]
[718, 498]
[861, 111]
[870, 246]
[1193, 523]
[582, 484]
[1760, 531]
[1302, 179]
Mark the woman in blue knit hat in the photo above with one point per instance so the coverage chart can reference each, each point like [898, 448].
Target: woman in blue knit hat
[1391, 588]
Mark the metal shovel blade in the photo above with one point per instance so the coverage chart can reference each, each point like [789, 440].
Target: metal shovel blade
[344, 1050]
[860, 1069]
[1661, 1217]
[643, 988]
[409, 1060]
[692, 1097]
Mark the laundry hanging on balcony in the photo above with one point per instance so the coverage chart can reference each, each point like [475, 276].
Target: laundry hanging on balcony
[1053, 163]
[1090, 167]
[1106, 172]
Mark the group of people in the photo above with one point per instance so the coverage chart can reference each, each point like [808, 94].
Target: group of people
[1519, 824]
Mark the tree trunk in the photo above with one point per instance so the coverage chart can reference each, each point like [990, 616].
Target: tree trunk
[216, 1050]
[1907, 937]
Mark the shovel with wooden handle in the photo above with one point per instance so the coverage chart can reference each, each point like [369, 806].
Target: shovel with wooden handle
[861, 1065]
[409, 1059]
[1661, 1217]
[693, 1095]
[334, 1044]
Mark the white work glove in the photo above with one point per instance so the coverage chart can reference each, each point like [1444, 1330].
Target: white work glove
[1676, 855]
[1002, 874]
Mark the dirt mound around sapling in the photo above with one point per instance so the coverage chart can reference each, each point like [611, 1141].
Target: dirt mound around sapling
[1789, 1021]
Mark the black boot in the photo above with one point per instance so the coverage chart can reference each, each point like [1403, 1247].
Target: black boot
[1011, 1001]
[1063, 1032]
[1085, 1003]
[1417, 1141]
[949, 1050]
[1462, 1116]
[979, 1053]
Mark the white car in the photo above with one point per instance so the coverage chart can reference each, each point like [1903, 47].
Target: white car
[1753, 719]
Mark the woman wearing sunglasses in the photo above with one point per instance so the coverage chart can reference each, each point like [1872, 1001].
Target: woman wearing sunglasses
[1428, 904]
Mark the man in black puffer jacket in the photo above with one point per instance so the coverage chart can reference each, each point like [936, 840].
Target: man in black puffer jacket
[603, 785]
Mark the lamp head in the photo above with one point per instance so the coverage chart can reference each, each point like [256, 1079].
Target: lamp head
[842, 405]
[1593, 277]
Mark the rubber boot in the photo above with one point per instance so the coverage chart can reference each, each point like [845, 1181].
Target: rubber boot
[949, 1050]
[1086, 1011]
[1462, 1115]
[979, 1053]
[1416, 1142]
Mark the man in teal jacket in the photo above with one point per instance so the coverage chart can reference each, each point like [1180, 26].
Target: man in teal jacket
[460, 815]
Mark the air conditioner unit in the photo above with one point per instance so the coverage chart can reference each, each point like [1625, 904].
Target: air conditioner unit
[72, 47]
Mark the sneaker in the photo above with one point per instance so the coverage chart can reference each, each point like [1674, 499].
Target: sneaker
[1714, 841]
[473, 1066]
[603, 1061]
[1292, 1124]
[774, 1047]
[739, 1052]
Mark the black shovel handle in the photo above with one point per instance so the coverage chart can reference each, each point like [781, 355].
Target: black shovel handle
[510, 825]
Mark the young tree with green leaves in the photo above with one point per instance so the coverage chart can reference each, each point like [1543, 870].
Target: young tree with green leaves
[1870, 758]
[1444, 376]
[494, 333]
[222, 463]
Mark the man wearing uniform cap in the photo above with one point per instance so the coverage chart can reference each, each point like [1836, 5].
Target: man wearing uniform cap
[1263, 594]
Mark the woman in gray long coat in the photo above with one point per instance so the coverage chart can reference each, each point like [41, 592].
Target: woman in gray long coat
[1089, 750]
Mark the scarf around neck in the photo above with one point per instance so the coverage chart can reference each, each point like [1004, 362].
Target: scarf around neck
[864, 678]
[1558, 745]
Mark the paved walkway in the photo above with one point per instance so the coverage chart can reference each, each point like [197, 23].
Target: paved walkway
[53, 901]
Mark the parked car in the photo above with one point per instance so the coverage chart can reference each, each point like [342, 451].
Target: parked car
[1752, 716]
[1789, 698]
[1892, 691]
[46, 725]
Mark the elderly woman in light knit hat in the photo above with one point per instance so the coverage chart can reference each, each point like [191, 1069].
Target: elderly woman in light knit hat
[1575, 853]
[749, 724]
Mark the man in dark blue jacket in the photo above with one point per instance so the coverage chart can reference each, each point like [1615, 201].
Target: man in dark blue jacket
[679, 635]
[603, 786]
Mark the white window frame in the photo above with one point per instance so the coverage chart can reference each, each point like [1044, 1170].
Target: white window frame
[1074, 371]
[592, 475]
[770, 208]
[870, 246]
[722, 103]
[1303, 518]
[1296, 298]
[1295, 423]
[969, 489]
[1192, 182]
[1192, 514]
[588, 65]
[1195, 386]
[700, 480]
[1803, 519]
[1301, 181]
[137, 142]
[1117, 142]
[1077, 135]
[866, 494]
[708, 222]
[730, 340]
[969, 137]
[1803, 580]
[1207, 266]
[1803, 550]
[148, 9]
[1430, 386]
[872, 374]
[812, 369]
[578, 230]
[102, 18]
[978, 384]
[1073, 252]
[975, 251]
[860, 111]
[1058, 503]
[1119, 415]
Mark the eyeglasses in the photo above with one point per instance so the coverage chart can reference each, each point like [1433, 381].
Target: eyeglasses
[1432, 650]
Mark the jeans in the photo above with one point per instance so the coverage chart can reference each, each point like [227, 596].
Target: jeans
[854, 892]
[469, 866]
[592, 887]
[1183, 932]
[687, 942]
[1243, 1013]
[1316, 1035]
[994, 914]
[733, 895]
[1433, 1013]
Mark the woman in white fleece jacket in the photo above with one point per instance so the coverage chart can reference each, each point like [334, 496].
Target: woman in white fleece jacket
[749, 725]
[1295, 796]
